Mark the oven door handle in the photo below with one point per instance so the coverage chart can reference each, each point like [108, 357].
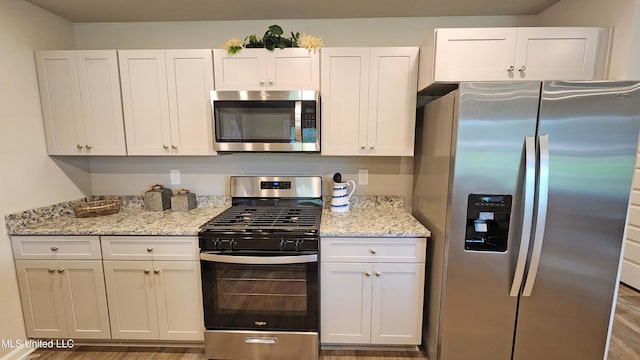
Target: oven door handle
[259, 260]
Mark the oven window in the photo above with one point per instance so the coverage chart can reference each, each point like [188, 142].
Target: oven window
[242, 121]
[262, 289]
[260, 297]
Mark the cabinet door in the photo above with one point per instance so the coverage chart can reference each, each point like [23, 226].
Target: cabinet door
[345, 301]
[293, 69]
[101, 102]
[396, 314]
[246, 70]
[190, 81]
[474, 54]
[556, 53]
[345, 94]
[179, 300]
[61, 104]
[143, 78]
[392, 101]
[132, 300]
[85, 300]
[42, 299]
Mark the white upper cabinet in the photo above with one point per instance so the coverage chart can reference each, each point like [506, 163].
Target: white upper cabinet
[261, 69]
[368, 101]
[504, 54]
[165, 95]
[82, 110]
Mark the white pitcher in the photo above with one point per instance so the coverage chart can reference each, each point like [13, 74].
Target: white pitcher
[341, 195]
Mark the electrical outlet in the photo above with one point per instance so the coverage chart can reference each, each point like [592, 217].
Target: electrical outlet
[175, 176]
[363, 177]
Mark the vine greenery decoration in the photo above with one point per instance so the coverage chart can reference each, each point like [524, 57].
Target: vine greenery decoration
[273, 39]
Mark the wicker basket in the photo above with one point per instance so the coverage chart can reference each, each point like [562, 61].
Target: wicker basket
[97, 208]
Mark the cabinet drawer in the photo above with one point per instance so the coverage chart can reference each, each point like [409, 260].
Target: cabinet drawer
[56, 247]
[150, 247]
[373, 249]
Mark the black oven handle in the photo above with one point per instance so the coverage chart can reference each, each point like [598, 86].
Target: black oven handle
[259, 260]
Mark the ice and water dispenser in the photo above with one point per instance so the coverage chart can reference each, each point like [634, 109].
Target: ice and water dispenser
[487, 222]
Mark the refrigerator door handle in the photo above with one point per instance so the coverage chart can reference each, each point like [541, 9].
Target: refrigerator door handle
[527, 219]
[541, 216]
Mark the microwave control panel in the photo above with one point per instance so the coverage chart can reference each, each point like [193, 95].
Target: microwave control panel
[308, 114]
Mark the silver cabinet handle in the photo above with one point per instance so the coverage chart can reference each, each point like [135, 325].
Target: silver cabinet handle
[367, 274]
[529, 196]
[54, 248]
[88, 147]
[261, 82]
[156, 271]
[362, 147]
[378, 274]
[149, 249]
[511, 68]
[174, 147]
[541, 216]
[372, 147]
[60, 271]
[51, 271]
[372, 251]
[165, 147]
[147, 271]
[522, 69]
[79, 146]
[270, 82]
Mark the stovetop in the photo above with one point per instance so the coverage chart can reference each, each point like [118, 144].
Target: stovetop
[266, 218]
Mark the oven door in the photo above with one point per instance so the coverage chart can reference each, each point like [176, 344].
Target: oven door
[260, 292]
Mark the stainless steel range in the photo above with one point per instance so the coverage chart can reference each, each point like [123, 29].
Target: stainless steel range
[259, 266]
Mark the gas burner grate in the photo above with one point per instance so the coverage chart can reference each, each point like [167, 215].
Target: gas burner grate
[266, 217]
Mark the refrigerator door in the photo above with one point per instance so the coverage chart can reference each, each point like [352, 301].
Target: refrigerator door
[478, 313]
[592, 131]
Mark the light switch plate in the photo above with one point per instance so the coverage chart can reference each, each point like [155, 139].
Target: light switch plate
[363, 177]
[175, 176]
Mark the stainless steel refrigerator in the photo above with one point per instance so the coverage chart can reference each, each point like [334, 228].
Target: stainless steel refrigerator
[525, 188]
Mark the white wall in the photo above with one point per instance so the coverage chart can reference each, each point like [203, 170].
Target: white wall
[29, 177]
[335, 32]
[622, 15]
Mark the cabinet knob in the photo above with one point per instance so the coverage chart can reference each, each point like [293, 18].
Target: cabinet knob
[372, 147]
[147, 271]
[149, 249]
[270, 82]
[362, 147]
[174, 147]
[60, 271]
[261, 82]
[367, 274]
[79, 146]
[511, 68]
[377, 274]
[522, 69]
[88, 147]
[165, 147]
[54, 248]
[51, 271]
[372, 251]
[157, 271]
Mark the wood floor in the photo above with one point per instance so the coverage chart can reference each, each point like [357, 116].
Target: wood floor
[625, 343]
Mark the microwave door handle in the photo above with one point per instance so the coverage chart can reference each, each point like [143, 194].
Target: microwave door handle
[298, 121]
[259, 260]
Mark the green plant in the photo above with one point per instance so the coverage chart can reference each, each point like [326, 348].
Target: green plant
[271, 40]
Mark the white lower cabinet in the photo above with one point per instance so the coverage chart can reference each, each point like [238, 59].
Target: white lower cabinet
[61, 285]
[154, 299]
[371, 300]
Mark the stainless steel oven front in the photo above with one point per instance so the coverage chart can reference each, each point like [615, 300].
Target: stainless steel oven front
[260, 305]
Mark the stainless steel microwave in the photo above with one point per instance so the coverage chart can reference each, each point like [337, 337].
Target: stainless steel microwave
[266, 121]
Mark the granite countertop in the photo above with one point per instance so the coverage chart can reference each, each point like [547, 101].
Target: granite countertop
[372, 216]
